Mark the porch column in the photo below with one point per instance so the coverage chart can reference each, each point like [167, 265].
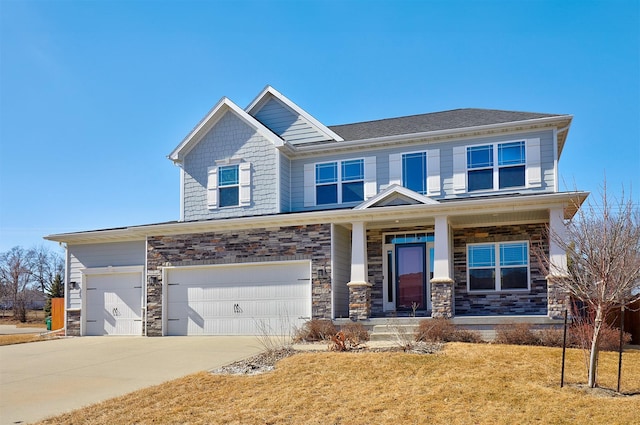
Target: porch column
[442, 283]
[359, 287]
[557, 299]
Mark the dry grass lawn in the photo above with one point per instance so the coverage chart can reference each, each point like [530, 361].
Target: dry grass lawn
[23, 338]
[464, 384]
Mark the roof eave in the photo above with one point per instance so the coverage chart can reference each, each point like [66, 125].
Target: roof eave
[570, 201]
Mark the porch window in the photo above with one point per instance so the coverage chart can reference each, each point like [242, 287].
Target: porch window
[498, 266]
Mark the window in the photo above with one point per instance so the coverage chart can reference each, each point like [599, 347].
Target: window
[501, 165]
[498, 266]
[414, 171]
[340, 181]
[228, 185]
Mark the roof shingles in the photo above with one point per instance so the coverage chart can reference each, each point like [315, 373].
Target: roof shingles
[446, 120]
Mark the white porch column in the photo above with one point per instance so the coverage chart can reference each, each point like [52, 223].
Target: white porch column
[557, 255]
[557, 298]
[358, 253]
[441, 251]
[359, 287]
[442, 283]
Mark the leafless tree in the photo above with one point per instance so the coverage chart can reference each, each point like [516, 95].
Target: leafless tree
[45, 265]
[24, 271]
[602, 243]
[16, 277]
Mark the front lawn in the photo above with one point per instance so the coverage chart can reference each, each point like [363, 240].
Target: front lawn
[463, 384]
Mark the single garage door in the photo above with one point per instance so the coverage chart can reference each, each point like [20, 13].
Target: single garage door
[238, 299]
[114, 304]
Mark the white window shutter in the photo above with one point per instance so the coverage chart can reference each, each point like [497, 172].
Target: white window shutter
[459, 169]
[244, 171]
[534, 172]
[433, 172]
[370, 182]
[309, 185]
[212, 188]
[395, 169]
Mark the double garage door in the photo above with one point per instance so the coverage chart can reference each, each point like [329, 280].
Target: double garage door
[244, 299]
[114, 304]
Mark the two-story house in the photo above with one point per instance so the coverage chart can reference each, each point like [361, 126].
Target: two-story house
[283, 218]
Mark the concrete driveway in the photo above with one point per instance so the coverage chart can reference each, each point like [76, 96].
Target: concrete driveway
[41, 379]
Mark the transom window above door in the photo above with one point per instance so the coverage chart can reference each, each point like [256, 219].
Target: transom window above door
[339, 181]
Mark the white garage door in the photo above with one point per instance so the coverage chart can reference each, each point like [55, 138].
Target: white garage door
[238, 299]
[114, 304]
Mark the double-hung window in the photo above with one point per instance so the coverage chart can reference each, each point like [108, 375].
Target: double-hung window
[229, 186]
[500, 165]
[414, 171]
[498, 266]
[339, 181]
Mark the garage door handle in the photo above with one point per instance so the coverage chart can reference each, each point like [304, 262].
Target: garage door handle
[237, 308]
[172, 320]
[91, 321]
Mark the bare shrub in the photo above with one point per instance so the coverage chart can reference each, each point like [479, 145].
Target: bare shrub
[517, 334]
[315, 330]
[467, 335]
[443, 330]
[608, 340]
[552, 337]
[435, 330]
[356, 333]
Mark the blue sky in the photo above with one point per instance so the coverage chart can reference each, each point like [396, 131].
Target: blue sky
[95, 94]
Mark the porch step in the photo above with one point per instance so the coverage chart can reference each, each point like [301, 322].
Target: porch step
[391, 329]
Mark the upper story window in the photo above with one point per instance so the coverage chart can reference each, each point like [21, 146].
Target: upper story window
[418, 171]
[336, 182]
[498, 266]
[414, 171]
[229, 184]
[496, 166]
[501, 165]
[340, 181]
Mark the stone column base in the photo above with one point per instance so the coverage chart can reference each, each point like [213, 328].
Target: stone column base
[557, 298]
[359, 300]
[73, 323]
[442, 297]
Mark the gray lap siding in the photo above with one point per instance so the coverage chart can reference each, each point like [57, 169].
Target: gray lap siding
[531, 302]
[307, 242]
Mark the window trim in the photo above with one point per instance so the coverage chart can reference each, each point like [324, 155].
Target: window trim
[497, 267]
[339, 182]
[222, 186]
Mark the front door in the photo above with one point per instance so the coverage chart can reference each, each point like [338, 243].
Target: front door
[411, 277]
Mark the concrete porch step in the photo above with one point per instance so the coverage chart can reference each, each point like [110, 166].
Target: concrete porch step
[390, 329]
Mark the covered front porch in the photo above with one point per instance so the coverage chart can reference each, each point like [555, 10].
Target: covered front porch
[417, 265]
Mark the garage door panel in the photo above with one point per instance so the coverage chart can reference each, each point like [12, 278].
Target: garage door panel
[114, 304]
[231, 300]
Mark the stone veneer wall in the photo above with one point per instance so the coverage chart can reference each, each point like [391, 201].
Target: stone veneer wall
[532, 302]
[309, 242]
[73, 323]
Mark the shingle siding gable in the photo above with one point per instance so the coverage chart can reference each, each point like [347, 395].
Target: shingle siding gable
[231, 138]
